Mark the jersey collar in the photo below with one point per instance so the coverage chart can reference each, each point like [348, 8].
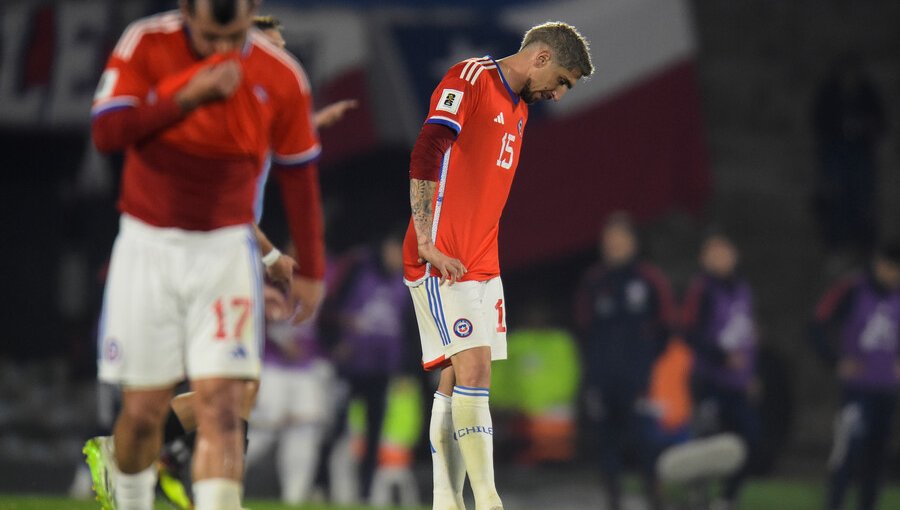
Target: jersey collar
[512, 95]
[248, 43]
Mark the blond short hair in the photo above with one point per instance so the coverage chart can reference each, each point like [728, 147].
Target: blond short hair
[569, 47]
[267, 23]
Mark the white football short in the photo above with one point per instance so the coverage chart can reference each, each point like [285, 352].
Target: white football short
[294, 395]
[453, 318]
[181, 304]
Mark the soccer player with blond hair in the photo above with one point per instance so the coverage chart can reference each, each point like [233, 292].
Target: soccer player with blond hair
[461, 170]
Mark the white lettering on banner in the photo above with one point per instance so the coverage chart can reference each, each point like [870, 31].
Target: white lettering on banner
[18, 106]
[82, 31]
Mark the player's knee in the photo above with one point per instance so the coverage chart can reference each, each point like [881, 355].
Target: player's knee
[218, 411]
[475, 373]
[219, 419]
[143, 421]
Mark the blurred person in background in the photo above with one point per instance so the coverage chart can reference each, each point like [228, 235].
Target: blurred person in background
[863, 312]
[395, 482]
[368, 316]
[292, 407]
[539, 385]
[670, 394]
[720, 328]
[848, 121]
[625, 311]
[328, 115]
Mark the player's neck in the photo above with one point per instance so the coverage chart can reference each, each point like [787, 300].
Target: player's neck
[514, 69]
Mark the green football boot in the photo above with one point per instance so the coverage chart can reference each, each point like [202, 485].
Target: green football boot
[98, 453]
[172, 489]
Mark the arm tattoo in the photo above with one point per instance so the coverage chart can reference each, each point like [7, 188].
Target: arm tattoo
[421, 196]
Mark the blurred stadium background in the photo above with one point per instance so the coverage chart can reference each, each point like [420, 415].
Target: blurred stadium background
[700, 113]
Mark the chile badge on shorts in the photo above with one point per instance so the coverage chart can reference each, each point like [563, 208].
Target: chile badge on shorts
[111, 350]
[462, 327]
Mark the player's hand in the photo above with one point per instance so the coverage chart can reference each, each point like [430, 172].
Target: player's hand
[450, 268]
[307, 295]
[276, 304]
[282, 271]
[211, 83]
[290, 350]
[334, 112]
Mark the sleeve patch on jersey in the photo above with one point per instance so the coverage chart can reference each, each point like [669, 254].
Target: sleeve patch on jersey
[107, 84]
[450, 100]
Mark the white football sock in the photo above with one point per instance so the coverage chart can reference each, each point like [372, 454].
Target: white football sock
[261, 439]
[136, 491]
[343, 473]
[298, 457]
[474, 432]
[449, 469]
[217, 494]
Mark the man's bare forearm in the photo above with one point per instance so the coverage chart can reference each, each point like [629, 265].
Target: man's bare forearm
[421, 199]
[265, 246]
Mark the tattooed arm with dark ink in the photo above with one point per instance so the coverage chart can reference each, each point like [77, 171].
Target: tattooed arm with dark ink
[425, 164]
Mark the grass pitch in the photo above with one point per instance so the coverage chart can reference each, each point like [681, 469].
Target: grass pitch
[9, 502]
[759, 495]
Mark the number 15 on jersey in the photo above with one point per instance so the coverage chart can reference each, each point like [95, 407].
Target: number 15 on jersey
[505, 160]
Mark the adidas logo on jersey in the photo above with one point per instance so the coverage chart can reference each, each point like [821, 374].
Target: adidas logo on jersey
[499, 118]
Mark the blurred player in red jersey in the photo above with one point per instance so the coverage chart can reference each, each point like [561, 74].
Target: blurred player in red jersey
[461, 170]
[198, 100]
[180, 427]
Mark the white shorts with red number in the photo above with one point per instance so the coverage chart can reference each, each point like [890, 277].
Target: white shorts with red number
[181, 304]
[453, 318]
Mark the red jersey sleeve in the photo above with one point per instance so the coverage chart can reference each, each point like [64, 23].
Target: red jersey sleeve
[425, 160]
[457, 95]
[125, 81]
[295, 140]
[125, 109]
[301, 196]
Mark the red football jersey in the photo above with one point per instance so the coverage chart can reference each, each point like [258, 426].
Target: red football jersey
[477, 170]
[200, 172]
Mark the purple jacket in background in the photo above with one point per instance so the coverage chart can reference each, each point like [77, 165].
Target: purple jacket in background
[723, 326]
[372, 313]
[870, 334]
[303, 338]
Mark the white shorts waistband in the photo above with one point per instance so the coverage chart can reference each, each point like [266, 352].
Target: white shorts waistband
[130, 226]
